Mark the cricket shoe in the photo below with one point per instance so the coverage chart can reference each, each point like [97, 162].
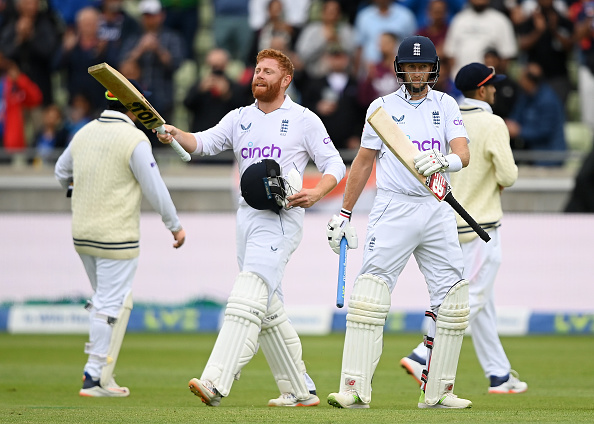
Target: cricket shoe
[93, 388]
[205, 390]
[348, 399]
[510, 386]
[412, 365]
[448, 401]
[289, 399]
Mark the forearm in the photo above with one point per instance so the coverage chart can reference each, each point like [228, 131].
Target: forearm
[359, 174]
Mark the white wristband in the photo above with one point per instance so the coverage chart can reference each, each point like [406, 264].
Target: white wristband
[455, 163]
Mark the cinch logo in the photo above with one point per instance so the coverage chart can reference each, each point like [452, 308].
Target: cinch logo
[427, 144]
[458, 122]
[260, 152]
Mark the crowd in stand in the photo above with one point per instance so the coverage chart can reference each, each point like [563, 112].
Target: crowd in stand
[343, 52]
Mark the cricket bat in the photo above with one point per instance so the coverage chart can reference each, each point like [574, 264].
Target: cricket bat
[134, 101]
[342, 263]
[405, 151]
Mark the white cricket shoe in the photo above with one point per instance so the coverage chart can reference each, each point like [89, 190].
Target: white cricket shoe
[93, 388]
[206, 391]
[412, 367]
[448, 401]
[511, 386]
[289, 399]
[348, 399]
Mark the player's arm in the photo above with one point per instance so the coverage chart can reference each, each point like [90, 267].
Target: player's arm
[187, 140]
[358, 176]
[63, 170]
[308, 197]
[459, 147]
[146, 172]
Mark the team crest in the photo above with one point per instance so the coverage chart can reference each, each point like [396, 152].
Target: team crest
[417, 49]
[436, 119]
[284, 127]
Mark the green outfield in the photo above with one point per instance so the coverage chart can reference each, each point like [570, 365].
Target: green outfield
[40, 377]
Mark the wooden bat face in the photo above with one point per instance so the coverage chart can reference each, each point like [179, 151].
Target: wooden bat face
[127, 94]
[400, 145]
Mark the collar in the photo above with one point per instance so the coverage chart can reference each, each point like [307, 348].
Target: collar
[406, 95]
[114, 114]
[287, 103]
[477, 103]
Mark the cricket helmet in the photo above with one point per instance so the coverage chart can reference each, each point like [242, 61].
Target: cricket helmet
[262, 186]
[417, 49]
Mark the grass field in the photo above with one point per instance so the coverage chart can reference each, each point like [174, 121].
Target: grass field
[40, 377]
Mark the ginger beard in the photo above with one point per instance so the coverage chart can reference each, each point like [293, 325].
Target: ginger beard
[268, 93]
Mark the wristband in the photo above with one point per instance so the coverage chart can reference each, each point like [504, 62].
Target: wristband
[345, 213]
[454, 161]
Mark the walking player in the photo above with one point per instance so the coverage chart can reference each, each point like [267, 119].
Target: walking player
[273, 140]
[478, 187]
[406, 219]
[111, 165]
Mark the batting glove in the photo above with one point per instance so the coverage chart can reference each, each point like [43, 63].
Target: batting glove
[430, 162]
[338, 227]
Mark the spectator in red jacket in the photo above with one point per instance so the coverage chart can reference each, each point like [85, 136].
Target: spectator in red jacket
[17, 92]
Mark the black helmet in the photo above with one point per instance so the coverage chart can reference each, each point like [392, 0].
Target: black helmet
[417, 49]
[261, 184]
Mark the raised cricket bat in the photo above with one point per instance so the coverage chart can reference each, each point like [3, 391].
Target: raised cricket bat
[134, 101]
[405, 151]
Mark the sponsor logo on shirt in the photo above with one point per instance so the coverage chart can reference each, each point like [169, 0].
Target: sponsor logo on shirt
[458, 122]
[427, 144]
[398, 120]
[244, 128]
[260, 152]
[284, 127]
[327, 140]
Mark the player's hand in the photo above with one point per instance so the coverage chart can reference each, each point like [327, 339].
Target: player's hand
[180, 238]
[338, 227]
[170, 132]
[430, 162]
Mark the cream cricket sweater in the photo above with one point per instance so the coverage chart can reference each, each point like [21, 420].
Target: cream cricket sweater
[106, 199]
[478, 186]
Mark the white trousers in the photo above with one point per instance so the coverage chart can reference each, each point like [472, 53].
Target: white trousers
[401, 225]
[481, 263]
[266, 241]
[111, 280]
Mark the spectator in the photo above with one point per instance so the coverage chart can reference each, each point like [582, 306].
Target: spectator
[17, 93]
[68, 9]
[537, 120]
[546, 38]
[582, 14]
[215, 95]
[52, 136]
[296, 13]
[115, 25]
[421, 7]
[381, 79]
[80, 113]
[437, 23]
[334, 99]
[32, 37]
[159, 52]
[231, 28]
[183, 16]
[476, 29]
[275, 26]
[316, 36]
[81, 48]
[581, 199]
[507, 90]
[372, 21]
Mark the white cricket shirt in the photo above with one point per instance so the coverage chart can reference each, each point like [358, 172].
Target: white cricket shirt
[430, 125]
[290, 135]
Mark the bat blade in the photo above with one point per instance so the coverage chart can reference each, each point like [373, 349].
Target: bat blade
[400, 145]
[133, 100]
[341, 273]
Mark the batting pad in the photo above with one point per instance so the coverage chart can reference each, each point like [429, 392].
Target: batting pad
[118, 330]
[452, 320]
[281, 346]
[237, 341]
[368, 308]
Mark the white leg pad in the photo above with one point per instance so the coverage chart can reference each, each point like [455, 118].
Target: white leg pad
[368, 308]
[118, 331]
[237, 341]
[452, 320]
[282, 347]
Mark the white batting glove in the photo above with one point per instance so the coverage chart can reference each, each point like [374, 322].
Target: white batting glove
[430, 162]
[338, 227]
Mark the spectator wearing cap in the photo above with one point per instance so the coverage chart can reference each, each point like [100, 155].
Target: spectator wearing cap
[537, 120]
[507, 90]
[159, 51]
[334, 98]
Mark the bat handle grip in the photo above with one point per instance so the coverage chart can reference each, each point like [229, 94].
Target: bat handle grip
[185, 156]
[341, 273]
